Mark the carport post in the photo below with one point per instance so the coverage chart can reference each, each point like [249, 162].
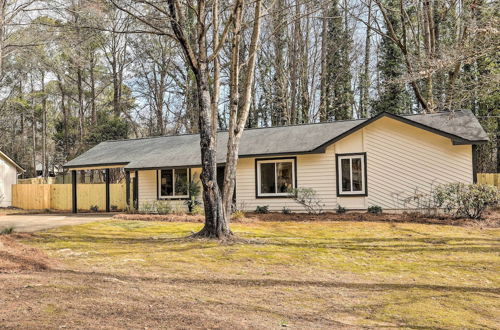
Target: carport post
[127, 187]
[73, 191]
[108, 179]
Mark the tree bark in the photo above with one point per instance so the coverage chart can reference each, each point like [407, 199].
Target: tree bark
[216, 225]
[240, 116]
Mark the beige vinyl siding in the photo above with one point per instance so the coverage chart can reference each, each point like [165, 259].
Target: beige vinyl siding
[401, 160]
[308, 168]
[404, 161]
[148, 189]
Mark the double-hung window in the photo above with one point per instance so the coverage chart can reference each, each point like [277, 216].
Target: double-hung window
[173, 183]
[275, 177]
[351, 174]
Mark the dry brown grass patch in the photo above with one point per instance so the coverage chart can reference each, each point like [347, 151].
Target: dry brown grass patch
[16, 257]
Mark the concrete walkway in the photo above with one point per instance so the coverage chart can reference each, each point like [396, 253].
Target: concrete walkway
[36, 222]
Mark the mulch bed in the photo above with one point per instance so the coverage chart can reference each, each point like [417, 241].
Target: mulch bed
[158, 217]
[491, 220]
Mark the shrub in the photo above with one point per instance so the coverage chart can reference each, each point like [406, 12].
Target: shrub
[238, 215]
[341, 210]
[194, 191]
[466, 200]
[131, 210]
[163, 207]
[286, 210]
[262, 209]
[94, 208]
[308, 198]
[7, 231]
[114, 208]
[178, 209]
[374, 209]
[198, 210]
[147, 208]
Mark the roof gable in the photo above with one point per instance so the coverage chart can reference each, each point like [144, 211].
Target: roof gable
[7, 158]
[461, 127]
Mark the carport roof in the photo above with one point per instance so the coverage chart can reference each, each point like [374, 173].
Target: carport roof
[462, 127]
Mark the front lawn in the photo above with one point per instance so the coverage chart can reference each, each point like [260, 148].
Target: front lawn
[134, 274]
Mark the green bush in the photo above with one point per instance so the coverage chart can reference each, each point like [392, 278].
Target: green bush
[375, 209]
[194, 191]
[466, 200]
[147, 208]
[262, 209]
[341, 210]
[7, 231]
[286, 210]
[114, 208]
[198, 210]
[163, 207]
[94, 208]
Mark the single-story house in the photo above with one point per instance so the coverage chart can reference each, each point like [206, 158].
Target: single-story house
[9, 170]
[388, 160]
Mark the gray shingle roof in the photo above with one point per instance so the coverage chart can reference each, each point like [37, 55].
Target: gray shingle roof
[184, 150]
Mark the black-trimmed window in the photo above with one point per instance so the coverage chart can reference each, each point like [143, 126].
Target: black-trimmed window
[173, 183]
[351, 174]
[275, 177]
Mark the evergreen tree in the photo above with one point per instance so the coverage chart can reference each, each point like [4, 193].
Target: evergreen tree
[394, 97]
[337, 94]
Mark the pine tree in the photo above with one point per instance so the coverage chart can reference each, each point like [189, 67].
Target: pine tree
[337, 94]
[394, 97]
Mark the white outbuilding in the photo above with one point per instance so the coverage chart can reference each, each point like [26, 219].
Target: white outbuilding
[9, 170]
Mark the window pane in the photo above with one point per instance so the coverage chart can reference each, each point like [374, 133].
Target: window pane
[357, 172]
[181, 181]
[285, 177]
[346, 174]
[166, 183]
[267, 184]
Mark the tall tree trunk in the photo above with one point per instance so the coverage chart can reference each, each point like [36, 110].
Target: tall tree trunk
[65, 117]
[3, 8]
[323, 103]
[364, 98]
[93, 108]
[216, 225]
[33, 127]
[81, 109]
[240, 116]
[45, 162]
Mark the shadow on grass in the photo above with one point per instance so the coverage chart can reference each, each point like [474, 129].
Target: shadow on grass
[395, 244]
[283, 282]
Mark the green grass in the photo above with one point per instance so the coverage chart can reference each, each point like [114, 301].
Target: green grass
[409, 275]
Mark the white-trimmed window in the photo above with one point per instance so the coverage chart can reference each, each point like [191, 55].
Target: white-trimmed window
[173, 183]
[275, 177]
[351, 174]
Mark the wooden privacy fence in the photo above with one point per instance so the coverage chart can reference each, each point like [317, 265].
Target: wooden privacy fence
[489, 178]
[58, 196]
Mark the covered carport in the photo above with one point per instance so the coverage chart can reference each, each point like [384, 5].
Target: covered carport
[129, 177]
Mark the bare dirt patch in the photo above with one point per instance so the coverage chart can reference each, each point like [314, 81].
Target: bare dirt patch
[16, 257]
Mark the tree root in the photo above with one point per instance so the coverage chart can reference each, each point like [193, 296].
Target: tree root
[221, 236]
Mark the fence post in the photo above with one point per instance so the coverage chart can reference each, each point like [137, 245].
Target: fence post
[127, 188]
[108, 179]
[74, 195]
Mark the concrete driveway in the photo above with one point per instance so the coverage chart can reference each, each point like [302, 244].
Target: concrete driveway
[36, 222]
